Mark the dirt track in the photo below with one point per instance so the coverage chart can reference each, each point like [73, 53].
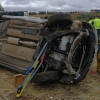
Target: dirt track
[88, 89]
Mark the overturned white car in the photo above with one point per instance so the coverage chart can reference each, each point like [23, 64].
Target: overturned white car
[70, 49]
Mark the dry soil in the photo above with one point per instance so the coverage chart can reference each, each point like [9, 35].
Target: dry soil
[88, 89]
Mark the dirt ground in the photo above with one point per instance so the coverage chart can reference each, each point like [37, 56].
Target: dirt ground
[88, 89]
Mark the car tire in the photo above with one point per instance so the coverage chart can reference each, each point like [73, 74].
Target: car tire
[46, 76]
[59, 17]
[87, 62]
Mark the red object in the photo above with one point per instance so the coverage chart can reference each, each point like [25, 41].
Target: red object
[94, 72]
[42, 58]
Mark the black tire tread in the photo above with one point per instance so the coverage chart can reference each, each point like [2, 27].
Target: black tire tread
[59, 17]
[46, 76]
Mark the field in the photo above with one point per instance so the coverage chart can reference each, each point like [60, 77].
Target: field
[88, 89]
[84, 16]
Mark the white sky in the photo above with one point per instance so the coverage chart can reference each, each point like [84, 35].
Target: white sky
[50, 5]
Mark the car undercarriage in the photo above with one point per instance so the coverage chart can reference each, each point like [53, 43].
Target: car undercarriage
[69, 54]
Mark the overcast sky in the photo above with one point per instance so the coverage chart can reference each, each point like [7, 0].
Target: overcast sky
[50, 5]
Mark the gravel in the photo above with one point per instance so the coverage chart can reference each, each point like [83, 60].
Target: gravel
[88, 89]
